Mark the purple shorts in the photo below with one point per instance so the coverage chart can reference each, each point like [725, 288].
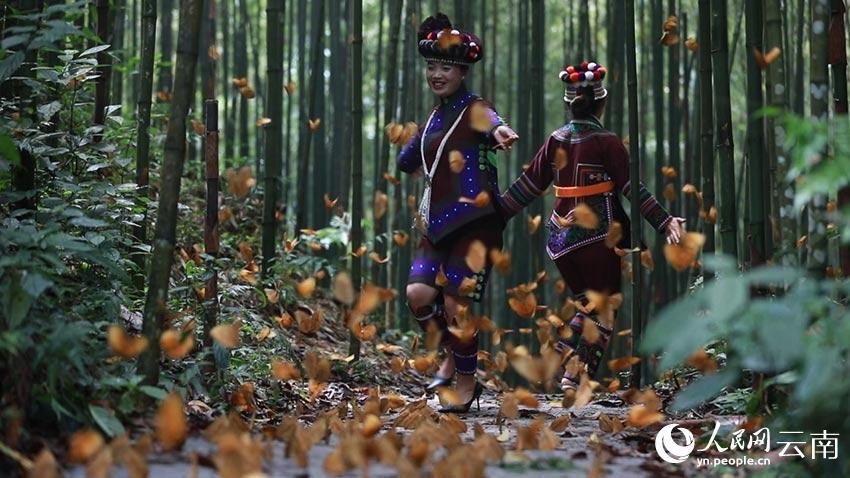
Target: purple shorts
[450, 253]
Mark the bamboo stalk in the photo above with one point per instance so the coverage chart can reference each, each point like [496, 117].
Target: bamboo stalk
[379, 271]
[273, 131]
[755, 136]
[143, 137]
[104, 62]
[723, 116]
[706, 97]
[634, 180]
[776, 96]
[838, 67]
[674, 112]
[660, 276]
[172, 172]
[356, 151]
[211, 238]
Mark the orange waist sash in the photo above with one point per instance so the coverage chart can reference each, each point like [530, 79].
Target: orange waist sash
[582, 191]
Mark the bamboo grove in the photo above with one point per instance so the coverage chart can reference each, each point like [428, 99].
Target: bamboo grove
[300, 105]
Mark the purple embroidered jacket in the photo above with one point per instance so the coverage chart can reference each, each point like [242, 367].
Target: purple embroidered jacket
[593, 155]
[446, 213]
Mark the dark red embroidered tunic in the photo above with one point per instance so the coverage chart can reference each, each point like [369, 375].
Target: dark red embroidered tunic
[594, 155]
[446, 213]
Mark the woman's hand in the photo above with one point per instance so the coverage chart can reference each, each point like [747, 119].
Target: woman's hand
[675, 230]
[505, 137]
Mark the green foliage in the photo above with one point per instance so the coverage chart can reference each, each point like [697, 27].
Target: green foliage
[63, 266]
[774, 320]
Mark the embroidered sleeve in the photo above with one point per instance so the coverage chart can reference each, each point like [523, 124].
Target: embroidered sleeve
[616, 164]
[409, 159]
[532, 183]
[494, 122]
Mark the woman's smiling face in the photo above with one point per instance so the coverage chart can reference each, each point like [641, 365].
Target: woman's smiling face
[444, 78]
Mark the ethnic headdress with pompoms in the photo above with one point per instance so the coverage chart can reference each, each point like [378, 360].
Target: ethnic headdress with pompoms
[586, 74]
[439, 41]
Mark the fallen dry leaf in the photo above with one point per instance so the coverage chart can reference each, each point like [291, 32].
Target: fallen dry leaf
[561, 159]
[479, 116]
[482, 199]
[456, 161]
[585, 217]
[682, 255]
[124, 345]
[476, 256]
[306, 287]
[170, 423]
[379, 204]
[83, 444]
[533, 223]
[343, 288]
[227, 335]
[285, 370]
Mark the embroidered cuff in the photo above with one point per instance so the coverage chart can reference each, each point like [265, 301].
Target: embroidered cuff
[519, 195]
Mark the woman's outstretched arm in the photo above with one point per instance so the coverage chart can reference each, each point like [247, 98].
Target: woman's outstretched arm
[532, 183]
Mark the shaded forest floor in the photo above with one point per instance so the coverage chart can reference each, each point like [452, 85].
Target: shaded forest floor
[277, 428]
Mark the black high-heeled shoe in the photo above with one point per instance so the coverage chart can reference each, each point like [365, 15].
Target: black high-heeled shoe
[464, 407]
[438, 382]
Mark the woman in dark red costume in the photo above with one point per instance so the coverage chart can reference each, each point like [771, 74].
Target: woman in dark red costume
[454, 151]
[590, 167]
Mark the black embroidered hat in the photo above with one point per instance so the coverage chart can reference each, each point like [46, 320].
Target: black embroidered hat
[439, 41]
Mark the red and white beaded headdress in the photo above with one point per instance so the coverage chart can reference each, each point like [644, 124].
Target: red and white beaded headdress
[586, 74]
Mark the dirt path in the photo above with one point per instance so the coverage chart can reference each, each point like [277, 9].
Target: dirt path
[584, 449]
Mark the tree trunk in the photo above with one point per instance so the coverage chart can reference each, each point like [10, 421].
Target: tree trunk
[253, 22]
[838, 66]
[659, 275]
[23, 175]
[143, 137]
[166, 47]
[723, 140]
[674, 114]
[304, 136]
[538, 120]
[634, 178]
[356, 151]
[706, 98]
[799, 109]
[288, 192]
[379, 59]
[104, 61]
[379, 271]
[617, 71]
[156, 303]
[320, 182]
[338, 90]
[520, 244]
[755, 137]
[777, 97]
[209, 52]
[273, 131]
[401, 215]
[226, 89]
[584, 45]
[819, 108]
[211, 242]
[119, 16]
[241, 71]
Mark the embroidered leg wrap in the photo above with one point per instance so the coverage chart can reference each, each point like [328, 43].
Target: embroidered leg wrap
[434, 313]
[465, 354]
[589, 353]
